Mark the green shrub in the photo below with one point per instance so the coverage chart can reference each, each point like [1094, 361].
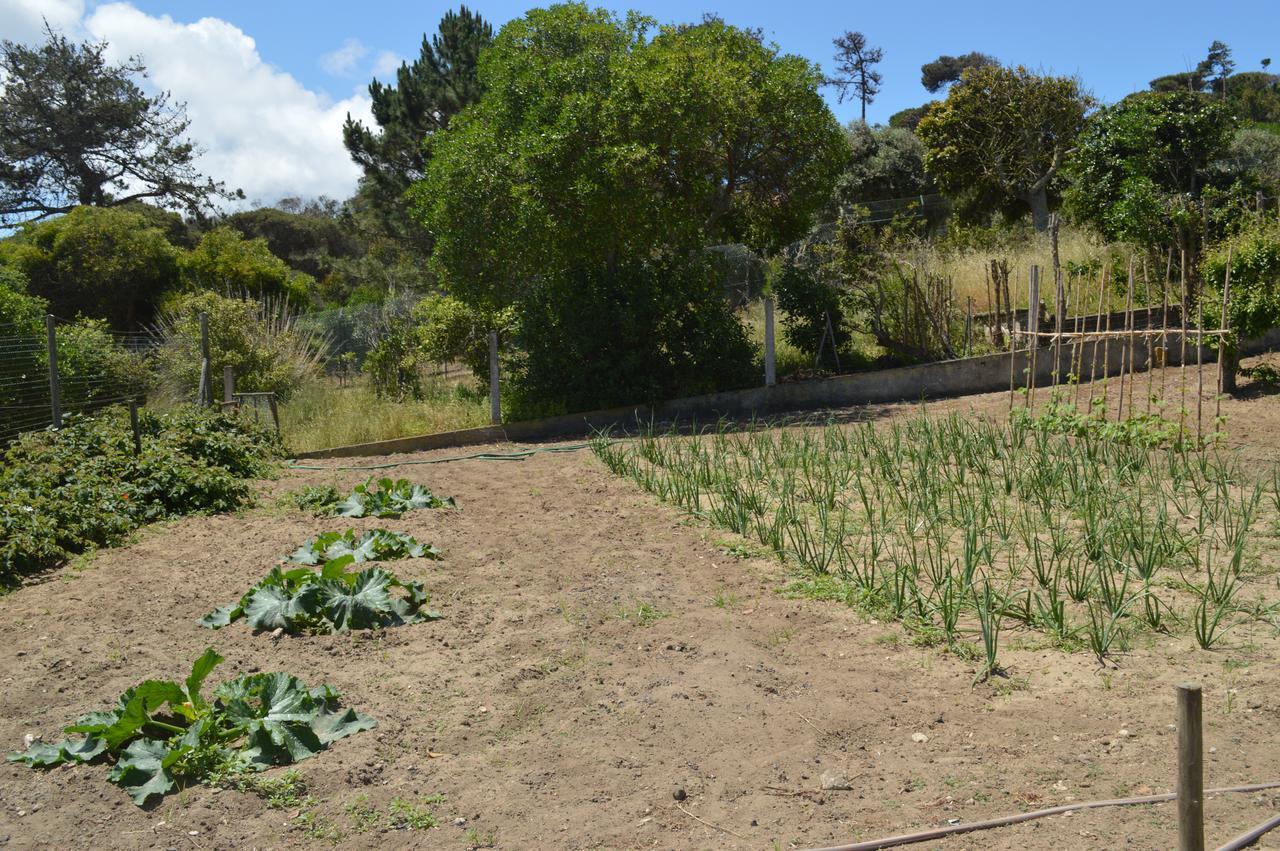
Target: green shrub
[94, 369]
[260, 341]
[64, 491]
[226, 262]
[639, 333]
[104, 263]
[809, 303]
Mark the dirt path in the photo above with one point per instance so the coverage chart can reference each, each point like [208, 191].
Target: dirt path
[599, 653]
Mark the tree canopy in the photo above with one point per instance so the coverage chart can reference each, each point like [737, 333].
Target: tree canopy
[946, 70]
[424, 98]
[593, 142]
[1004, 132]
[1142, 165]
[108, 264]
[76, 130]
[603, 159]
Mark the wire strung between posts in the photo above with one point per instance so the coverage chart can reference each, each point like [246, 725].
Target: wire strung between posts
[518, 455]
[1004, 821]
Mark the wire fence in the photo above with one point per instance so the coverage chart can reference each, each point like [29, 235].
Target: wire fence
[70, 368]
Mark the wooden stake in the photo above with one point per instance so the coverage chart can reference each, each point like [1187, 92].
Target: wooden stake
[495, 389]
[133, 425]
[1182, 360]
[1132, 342]
[1106, 359]
[1190, 770]
[1224, 341]
[1033, 325]
[55, 381]
[770, 369]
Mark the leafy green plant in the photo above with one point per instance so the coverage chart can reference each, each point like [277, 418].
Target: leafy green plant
[389, 498]
[82, 486]
[318, 498]
[373, 545]
[165, 735]
[333, 600]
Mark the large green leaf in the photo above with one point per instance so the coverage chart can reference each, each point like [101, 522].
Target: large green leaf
[273, 607]
[275, 712]
[45, 755]
[329, 726]
[143, 769]
[199, 672]
[363, 604]
[133, 713]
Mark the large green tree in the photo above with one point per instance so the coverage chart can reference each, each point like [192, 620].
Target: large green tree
[594, 142]
[1004, 133]
[77, 130]
[1142, 166]
[423, 99]
[600, 163]
[111, 264]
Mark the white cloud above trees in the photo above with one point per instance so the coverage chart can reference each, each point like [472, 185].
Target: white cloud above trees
[260, 129]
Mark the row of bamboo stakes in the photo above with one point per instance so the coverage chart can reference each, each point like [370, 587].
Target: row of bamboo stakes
[1073, 332]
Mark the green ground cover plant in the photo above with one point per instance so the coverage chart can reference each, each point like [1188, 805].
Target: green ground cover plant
[164, 735]
[373, 545]
[333, 600]
[67, 490]
[965, 529]
[389, 498]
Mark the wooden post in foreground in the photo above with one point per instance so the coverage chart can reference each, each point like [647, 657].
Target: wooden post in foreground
[495, 397]
[770, 364]
[1190, 770]
[228, 384]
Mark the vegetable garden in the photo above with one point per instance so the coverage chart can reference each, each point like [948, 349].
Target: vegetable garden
[964, 528]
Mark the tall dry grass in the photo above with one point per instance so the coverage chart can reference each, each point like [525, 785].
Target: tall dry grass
[323, 414]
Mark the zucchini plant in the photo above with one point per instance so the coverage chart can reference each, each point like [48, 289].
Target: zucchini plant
[333, 600]
[374, 545]
[389, 498]
[164, 735]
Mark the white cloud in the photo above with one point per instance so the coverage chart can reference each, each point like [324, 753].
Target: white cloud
[386, 64]
[342, 62]
[261, 130]
[24, 20]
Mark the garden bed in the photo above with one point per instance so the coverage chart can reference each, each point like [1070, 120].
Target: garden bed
[601, 653]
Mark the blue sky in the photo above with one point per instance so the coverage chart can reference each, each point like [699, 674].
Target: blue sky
[269, 83]
[1114, 47]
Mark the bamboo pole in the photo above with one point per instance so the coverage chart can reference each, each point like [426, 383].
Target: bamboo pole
[1223, 342]
[1106, 360]
[1182, 360]
[1093, 355]
[1133, 351]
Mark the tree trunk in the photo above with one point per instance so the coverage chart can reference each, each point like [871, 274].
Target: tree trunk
[1038, 200]
[1230, 367]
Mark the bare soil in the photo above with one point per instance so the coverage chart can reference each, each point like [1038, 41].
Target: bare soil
[610, 673]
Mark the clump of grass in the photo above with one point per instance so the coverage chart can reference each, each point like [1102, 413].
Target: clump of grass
[322, 414]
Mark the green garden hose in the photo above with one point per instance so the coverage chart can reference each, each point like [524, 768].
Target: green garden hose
[518, 455]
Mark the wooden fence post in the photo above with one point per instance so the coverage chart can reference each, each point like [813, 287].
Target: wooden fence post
[55, 382]
[228, 384]
[495, 391]
[1190, 770]
[206, 380]
[133, 424]
[770, 365]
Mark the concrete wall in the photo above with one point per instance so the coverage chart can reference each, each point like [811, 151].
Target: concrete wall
[963, 377]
